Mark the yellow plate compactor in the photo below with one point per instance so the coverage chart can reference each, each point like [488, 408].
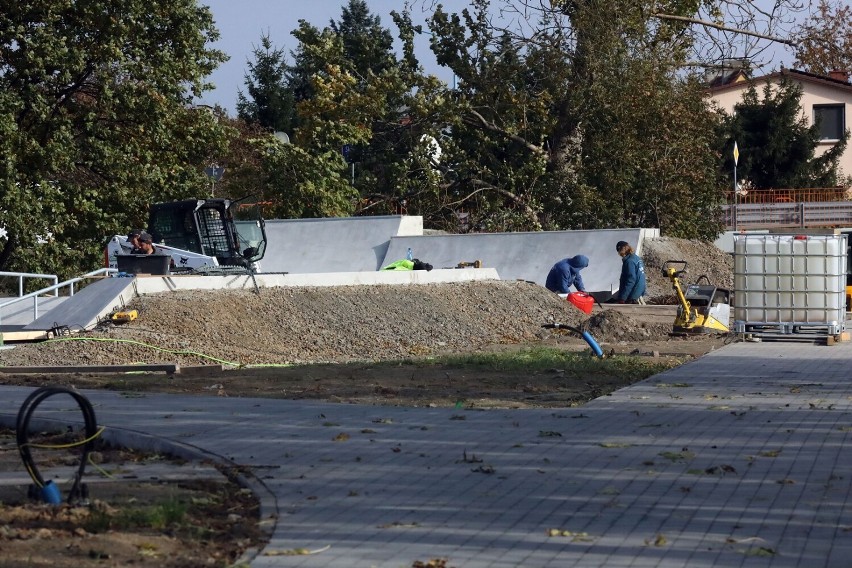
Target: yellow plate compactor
[702, 307]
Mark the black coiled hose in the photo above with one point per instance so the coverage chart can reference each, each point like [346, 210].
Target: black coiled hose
[22, 435]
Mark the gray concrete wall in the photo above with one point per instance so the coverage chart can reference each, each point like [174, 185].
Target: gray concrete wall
[526, 256]
[365, 244]
[344, 244]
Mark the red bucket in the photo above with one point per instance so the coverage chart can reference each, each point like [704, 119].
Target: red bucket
[584, 302]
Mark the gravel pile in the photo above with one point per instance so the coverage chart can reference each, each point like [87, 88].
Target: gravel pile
[702, 259]
[296, 325]
[354, 323]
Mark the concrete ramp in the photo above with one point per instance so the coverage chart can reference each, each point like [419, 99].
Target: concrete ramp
[344, 244]
[86, 307]
[16, 316]
[526, 256]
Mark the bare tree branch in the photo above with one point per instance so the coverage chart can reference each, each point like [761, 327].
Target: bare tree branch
[725, 28]
[479, 120]
[481, 185]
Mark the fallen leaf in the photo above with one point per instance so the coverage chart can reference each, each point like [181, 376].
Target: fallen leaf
[295, 551]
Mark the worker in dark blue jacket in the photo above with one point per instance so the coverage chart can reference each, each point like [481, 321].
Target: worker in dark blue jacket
[631, 286]
[566, 273]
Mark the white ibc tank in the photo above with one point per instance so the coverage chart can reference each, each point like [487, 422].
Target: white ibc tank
[789, 279]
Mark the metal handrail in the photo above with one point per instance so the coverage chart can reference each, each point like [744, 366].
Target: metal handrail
[22, 275]
[55, 288]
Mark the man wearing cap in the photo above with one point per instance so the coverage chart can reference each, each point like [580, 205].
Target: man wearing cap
[566, 273]
[133, 240]
[631, 286]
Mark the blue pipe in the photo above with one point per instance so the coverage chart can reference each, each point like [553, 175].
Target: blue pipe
[592, 343]
[584, 334]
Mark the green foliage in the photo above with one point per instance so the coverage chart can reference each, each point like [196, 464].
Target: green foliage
[159, 516]
[587, 126]
[777, 146]
[584, 123]
[271, 105]
[96, 122]
[367, 46]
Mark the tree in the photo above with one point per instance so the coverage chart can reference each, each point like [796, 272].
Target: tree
[242, 160]
[825, 39]
[354, 58]
[580, 122]
[776, 144]
[271, 105]
[97, 121]
[367, 46]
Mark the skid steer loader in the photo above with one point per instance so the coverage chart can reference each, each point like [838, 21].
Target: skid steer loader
[200, 235]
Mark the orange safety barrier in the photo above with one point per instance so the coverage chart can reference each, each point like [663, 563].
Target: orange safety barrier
[808, 195]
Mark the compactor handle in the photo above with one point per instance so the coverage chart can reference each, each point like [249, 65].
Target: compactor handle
[670, 270]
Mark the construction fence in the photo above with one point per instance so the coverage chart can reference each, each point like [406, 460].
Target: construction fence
[789, 208]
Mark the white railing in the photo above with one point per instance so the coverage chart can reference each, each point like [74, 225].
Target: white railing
[21, 275]
[55, 289]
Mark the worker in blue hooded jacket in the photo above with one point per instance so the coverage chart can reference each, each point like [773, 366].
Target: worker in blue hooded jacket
[566, 273]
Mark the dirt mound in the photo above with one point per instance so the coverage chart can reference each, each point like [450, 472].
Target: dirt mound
[357, 323]
[614, 326]
[312, 325]
[702, 259]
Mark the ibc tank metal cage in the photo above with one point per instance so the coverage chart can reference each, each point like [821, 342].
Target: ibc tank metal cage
[788, 284]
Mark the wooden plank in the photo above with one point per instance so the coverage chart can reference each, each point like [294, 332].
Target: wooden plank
[201, 370]
[12, 336]
[48, 370]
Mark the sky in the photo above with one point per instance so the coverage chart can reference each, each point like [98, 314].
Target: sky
[241, 25]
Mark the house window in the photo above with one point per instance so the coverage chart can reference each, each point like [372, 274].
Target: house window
[831, 121]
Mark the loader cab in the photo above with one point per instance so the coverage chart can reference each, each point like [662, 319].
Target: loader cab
[207, 226]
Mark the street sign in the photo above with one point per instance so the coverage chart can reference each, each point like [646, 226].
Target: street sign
[346, 151]
[736, 154]
[215, 173]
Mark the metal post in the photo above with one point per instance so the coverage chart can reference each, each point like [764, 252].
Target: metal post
[736, 193]
[353, 174]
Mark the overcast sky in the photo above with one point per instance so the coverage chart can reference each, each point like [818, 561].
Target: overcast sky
[241, 25]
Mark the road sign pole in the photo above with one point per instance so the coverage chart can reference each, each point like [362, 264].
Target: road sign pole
[736, 190]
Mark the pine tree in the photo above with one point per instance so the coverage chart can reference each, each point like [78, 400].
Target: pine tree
[270, 101]
[777, 146]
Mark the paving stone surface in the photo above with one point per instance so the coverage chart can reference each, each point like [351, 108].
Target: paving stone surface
[736, 459]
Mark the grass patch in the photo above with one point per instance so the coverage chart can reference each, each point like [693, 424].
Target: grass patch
[541, 358]
[158, 517]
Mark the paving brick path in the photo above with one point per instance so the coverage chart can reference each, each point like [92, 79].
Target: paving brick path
[737, 459]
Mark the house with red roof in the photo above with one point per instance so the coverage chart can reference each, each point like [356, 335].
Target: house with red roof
[827, 99]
